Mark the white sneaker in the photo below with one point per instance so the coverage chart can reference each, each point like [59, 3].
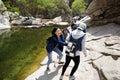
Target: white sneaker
[61, 78]
[72, 78]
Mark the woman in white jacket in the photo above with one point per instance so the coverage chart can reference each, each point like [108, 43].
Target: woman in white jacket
[76, 46]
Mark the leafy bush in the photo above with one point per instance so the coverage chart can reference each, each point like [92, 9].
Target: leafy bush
[78, 7]
[47, 8]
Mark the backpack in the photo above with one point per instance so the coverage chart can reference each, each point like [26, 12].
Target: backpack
[71, 49]
[49, 40]
[75, 45]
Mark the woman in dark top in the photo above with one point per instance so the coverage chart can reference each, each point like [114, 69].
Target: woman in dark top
[56, 45]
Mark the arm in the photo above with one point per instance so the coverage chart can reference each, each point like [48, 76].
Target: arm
[68, 38]
[61, 41]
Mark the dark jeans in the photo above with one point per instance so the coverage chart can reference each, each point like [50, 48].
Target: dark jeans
[76, 60]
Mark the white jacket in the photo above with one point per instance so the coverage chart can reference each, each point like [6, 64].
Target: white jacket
[76, 34]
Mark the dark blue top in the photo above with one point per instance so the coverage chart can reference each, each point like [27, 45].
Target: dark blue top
[55, 42]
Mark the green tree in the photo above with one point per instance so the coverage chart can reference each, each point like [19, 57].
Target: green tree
[10, 5]
[78, 7]
[48, 8]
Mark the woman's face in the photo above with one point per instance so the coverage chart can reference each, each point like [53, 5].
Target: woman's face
[58, 32]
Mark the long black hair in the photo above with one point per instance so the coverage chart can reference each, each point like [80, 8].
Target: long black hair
[54, 30]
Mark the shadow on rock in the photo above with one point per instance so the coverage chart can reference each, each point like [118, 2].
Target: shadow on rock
[51, 75]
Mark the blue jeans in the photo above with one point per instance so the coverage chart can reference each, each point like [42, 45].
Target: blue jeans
[50, 55]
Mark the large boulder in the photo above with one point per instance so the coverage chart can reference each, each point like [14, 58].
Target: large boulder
[103, 47]
[4, 17]
[104, 11]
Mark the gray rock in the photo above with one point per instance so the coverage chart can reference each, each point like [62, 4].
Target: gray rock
[4, 17]
[103, 45]
[104, 11]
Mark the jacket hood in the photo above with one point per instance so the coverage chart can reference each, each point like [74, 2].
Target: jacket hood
[76, 34]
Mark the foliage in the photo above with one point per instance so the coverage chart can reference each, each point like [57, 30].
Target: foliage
[32, 7]
[50, 7]
[47, 8]
[10, 7]
[63, 7]
[78, 7]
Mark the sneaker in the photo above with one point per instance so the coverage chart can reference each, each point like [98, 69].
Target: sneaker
[48, 69]
[60, 62]
[72, 78]
[61, 78]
